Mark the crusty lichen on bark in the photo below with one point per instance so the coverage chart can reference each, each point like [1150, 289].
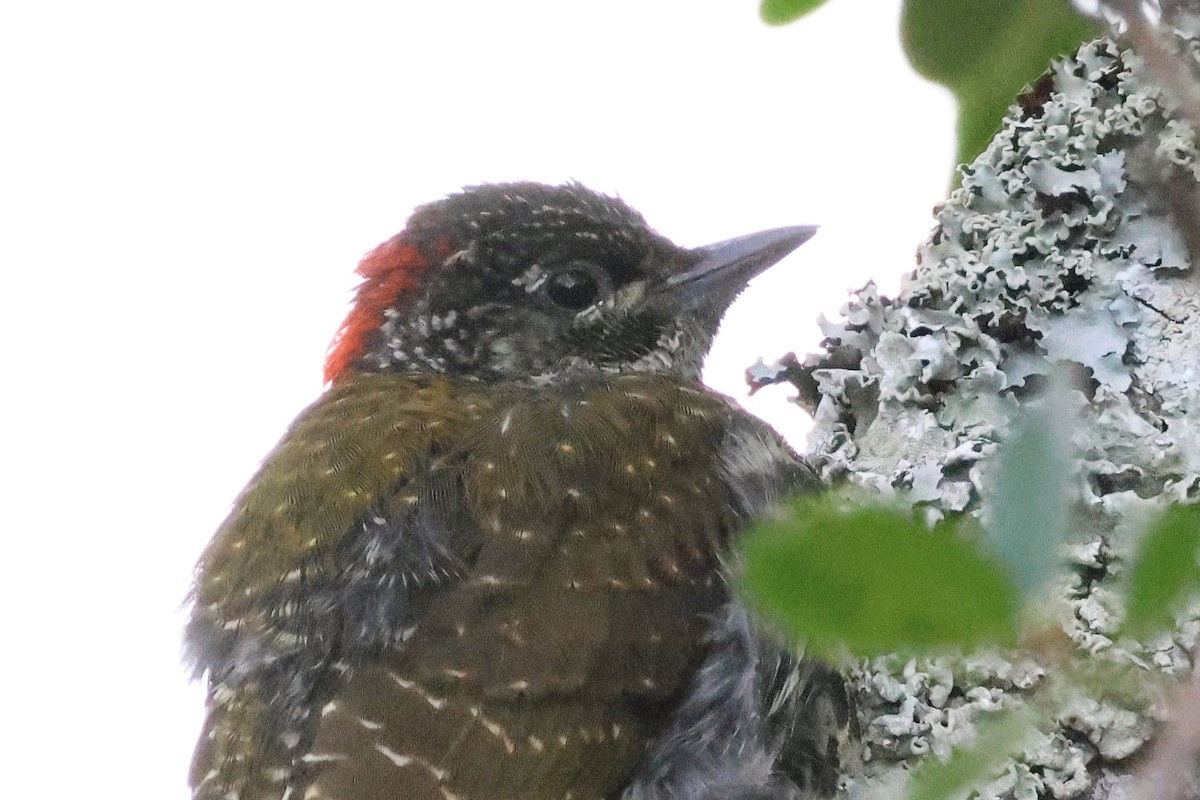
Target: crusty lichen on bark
[1059, 253]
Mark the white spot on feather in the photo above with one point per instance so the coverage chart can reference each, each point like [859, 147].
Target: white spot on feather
[391, 755]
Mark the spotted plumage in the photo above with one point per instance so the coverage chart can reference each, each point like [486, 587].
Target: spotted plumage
[491, 561]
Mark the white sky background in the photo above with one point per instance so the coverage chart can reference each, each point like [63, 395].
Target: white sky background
[185, 190]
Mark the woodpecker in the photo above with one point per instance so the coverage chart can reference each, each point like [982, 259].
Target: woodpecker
[492, 561]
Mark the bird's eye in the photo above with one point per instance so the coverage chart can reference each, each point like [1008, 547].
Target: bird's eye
[574, 287]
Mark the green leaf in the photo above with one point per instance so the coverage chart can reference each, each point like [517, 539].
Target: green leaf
[874, 581]
[986, 51]
[1028, 507]
[1165, 573]
[999, 736]
[781, 12]
[1119, 683]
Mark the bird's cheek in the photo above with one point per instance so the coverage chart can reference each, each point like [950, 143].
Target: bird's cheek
[523, 345]
[505, 356]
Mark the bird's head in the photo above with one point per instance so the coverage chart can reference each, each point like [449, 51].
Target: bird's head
[524, 281]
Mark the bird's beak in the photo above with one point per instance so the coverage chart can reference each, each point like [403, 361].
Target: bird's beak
[723, 269]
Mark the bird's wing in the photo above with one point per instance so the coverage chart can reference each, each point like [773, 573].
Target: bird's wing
[565, 649]
[348, 523]
[436, 587]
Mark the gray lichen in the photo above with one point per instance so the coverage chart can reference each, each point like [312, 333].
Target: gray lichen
[1057, 254]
